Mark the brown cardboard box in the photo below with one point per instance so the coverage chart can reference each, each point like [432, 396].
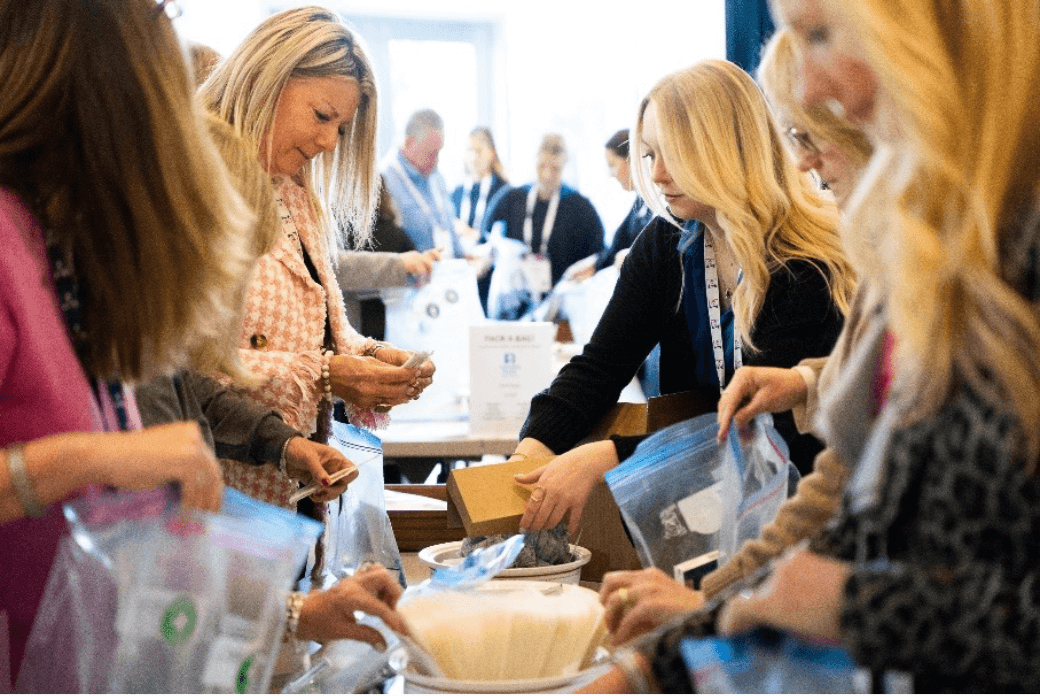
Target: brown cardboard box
[486, 500]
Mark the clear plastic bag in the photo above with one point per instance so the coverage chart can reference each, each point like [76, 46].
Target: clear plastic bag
[359, 526]
[758, 476]
[688, 503]
[668, 493]
[436, 318]
[146, 598]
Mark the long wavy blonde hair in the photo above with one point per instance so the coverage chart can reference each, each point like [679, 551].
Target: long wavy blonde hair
[958, 79]
[307, 42]
[100, 135]
[723, 149]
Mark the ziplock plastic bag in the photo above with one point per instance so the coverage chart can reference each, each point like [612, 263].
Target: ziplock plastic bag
[510, 292]
[359, 527]
[669, 495]
[145, 598]
[436, 318]
[759, 476]
[770, 662]
[689, 503]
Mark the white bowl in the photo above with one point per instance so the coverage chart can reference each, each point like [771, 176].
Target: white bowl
[417, 682]
[449, 555]
[422, 684]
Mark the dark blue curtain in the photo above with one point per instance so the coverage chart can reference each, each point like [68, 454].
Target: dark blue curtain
[748, 27]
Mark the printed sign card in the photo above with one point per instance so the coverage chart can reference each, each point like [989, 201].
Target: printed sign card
[509, 363]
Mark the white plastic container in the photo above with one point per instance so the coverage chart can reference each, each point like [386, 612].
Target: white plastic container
[422, 684]
[448, 556]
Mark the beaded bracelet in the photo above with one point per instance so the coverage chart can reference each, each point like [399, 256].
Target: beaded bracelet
[293, 606]
[283, 465]
[23, 488]
[326, 380]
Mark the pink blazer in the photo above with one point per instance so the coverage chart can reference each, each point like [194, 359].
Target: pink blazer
[282, 336]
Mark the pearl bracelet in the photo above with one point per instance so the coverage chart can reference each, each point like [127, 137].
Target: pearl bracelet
[293, 606]
[326, 380]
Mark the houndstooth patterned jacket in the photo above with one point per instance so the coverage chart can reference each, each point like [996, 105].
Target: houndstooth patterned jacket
[282, 335]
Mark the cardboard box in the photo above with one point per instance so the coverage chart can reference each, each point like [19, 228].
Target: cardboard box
[487, 500]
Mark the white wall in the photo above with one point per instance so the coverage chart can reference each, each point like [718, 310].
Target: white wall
[578, 67]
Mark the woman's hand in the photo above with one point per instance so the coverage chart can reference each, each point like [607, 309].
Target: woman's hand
[419, 265]
[329, 614]
[305, 459]
[803, 595]
[146, 459]
[755, 390]
[369, 382]
[638, 601]
[563, 485]
[392, 355]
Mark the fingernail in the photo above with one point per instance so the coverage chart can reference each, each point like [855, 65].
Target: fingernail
[326, 482]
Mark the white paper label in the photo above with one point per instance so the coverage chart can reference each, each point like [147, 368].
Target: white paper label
[509, 363]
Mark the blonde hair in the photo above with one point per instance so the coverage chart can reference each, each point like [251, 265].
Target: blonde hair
[722, 148]
[100, 136]
[960, 78]
[779, 76]
[307, 42]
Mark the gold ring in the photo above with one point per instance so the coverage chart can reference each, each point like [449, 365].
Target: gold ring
[382, 408]
[626, 597]
[538, 495]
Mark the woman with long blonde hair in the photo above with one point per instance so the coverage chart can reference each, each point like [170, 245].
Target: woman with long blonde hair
[930, 566]
[743, 265]
[300, 88]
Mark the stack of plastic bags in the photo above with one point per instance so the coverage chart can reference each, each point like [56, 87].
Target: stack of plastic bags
[147, 598]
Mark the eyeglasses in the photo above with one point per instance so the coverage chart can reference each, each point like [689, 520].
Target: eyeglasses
[169, 7]
[800, 140]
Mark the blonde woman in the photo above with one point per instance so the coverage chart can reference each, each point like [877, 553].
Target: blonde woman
[124, 247]
[655, 598]
[930, 566]
[301, 89]
[743, 256]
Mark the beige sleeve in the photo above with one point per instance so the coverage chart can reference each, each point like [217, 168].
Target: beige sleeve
[810, 370]
[801, 517]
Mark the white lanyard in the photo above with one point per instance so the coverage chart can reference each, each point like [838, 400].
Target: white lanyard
[550, 219]
[478, 212]
[420, 200]
[711, 285]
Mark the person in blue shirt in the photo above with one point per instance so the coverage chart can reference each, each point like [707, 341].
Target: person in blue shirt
[417, 187]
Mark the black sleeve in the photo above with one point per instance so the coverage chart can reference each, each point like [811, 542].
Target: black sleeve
[592, 227]
[798, 320]
[590, 384]
[243, 429]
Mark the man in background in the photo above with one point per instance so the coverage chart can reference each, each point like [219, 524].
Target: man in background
[418, 188]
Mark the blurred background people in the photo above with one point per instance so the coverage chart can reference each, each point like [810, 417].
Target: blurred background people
[418, 188]
[557, 225]
[638, 217]
[485, 177]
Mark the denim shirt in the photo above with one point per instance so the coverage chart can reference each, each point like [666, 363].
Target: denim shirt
[413, 219]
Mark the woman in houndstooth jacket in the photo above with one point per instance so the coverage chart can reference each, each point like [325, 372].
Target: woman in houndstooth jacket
[301, 88]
